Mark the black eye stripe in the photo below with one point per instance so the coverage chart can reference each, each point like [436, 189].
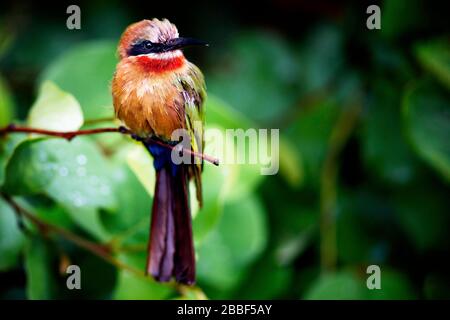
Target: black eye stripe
[145, 47]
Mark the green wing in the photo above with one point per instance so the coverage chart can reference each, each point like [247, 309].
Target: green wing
[194, 93]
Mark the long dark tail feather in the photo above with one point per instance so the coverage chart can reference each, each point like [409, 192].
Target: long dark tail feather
[171, 249]
[185, 254]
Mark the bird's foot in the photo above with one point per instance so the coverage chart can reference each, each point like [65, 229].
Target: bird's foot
[123, 129]
[137, 137]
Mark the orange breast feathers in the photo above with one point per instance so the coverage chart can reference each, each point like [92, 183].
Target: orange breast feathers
[146, 97]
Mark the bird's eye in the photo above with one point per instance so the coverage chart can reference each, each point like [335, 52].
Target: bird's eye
[147, 44]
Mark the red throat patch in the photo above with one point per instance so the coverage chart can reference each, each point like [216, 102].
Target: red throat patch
[158, 65]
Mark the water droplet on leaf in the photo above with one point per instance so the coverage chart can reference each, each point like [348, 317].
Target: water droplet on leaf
[81, 159]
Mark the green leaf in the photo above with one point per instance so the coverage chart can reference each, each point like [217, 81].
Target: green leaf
[55, 110]
[207, 218]
[385, 149]
[246, 177]
[133, 287]
[238, 240]
[93, 286]
[215, 266]
[86, 72]
[437, 286]
[265, 280]
[75, 174]
[46, 280]
[291, 165]
[434, 56]
[394, 20]
[49, 211]
[321, 58]
[391, 64]
[423, 214]
[361, 223]
[346, 285]
[240, 176]
[6, 39]
[140, 162]
[7, 146]
[426, 115]
[220, 113]
[132, 217]
[311, 132]
[259, 74]
[295, 229]
[342, 285]
[394, 286]
[244, 230]
[44, 41]
[11, 238]
[6, 104]
[41, 283]
[241, 179]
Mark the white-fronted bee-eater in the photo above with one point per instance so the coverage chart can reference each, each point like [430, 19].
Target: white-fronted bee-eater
[155, 92]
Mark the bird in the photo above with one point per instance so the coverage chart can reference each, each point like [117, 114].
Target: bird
[157, 91]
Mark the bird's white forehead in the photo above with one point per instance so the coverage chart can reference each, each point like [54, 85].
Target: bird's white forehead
[161, 30]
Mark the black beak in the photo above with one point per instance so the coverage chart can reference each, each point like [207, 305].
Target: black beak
[180, 43]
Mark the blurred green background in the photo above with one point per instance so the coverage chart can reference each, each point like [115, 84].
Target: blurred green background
[364, 121]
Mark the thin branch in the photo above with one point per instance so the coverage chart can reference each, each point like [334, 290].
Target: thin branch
[69, 135]
[102, 251]
[205, 157]
[340, 134]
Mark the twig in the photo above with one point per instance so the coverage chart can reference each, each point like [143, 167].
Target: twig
[205, 157]
[339, 136]
[46, 228]
[69, 135]
[102, 251]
